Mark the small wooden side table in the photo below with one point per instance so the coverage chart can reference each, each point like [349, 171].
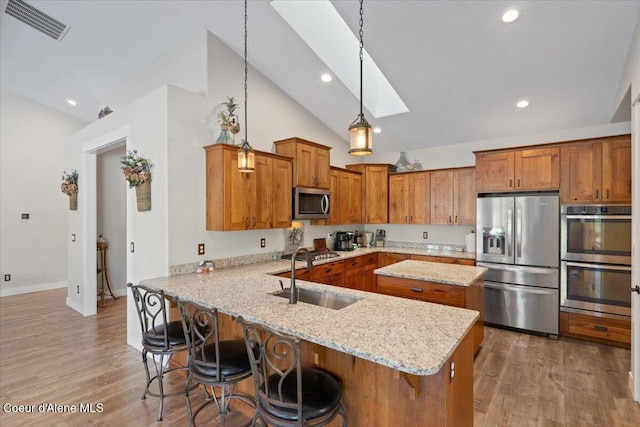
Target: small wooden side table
[103, 274]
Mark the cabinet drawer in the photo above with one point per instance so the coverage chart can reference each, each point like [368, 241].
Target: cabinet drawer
[458, 261]
[324, 270]
[361, 261]
[428, 258]
[597, 327]
[420, 290]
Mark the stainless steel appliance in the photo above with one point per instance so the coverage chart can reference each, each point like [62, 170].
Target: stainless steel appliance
[311, 203]
[596, 259]
[517, 239]
[313, 256]
[343, 241]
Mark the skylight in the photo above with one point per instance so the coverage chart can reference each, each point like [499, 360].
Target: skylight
[329, 36]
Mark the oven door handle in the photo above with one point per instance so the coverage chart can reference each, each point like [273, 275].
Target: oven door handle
[605, 217]
[518, 269]
[598, 266]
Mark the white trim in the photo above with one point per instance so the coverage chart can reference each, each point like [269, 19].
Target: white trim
[74, 305]
[634, 373]
[33, 288]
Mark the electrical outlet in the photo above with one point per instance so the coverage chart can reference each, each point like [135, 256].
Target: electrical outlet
[73, 237]
[77, 289]
[200, 248]
[7, 277]
[25, 216]
[132, 247]
[263, 243]
[425, 234]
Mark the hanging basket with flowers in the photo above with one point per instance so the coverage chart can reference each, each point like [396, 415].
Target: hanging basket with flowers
[228, 121]
[137, 172]
[69, 187]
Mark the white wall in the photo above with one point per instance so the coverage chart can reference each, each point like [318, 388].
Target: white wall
[33, 155]
[112, 216]
[631, 72]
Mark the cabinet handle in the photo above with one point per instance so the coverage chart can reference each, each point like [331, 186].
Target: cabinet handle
[607, 194]
[328, 270]
[510, 183]
[410, 218]
[367, 218]
[406, 218]
[600, 328]
[418, 290]
[246, 222]
[518, 182]
[597, 194]
[449, 219]
[456, 220]
[254, 221]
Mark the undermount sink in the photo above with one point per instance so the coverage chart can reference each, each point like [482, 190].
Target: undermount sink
[322, 299]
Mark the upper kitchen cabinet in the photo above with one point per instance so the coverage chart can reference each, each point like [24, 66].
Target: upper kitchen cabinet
[518, 170]
[409, 195]
[597, 171]
[310, 162]
[375, 191]
[247, 201]
[346, 198]
[453, 196]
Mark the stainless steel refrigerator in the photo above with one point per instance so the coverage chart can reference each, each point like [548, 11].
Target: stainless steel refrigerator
[517, 239]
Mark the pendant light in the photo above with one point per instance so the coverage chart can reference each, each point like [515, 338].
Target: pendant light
[246, 155]
[360, 132]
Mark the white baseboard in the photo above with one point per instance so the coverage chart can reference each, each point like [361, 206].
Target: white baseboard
[34, 288]
[118, 293]
[77, 306]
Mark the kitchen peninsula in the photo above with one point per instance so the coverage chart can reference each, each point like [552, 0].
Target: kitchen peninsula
[399, 361]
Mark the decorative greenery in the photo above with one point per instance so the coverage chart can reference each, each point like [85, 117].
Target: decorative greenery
[136, 169]
[227, 116]
[69, 184]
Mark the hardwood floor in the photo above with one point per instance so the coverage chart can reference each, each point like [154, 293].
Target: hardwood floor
[50, 353]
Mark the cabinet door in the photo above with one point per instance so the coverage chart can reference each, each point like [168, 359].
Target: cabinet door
[306, 165]
[355, 198]
[377, 191]
[537, 169]
[581, 179]
[399, 199]
[616, 170]
[342, 204]
[353, 279]
[281, 184]
[321, 168]
[337, 199]
[237, 195]
[495, 171]
[442, 197]
[369, 278]
[261, 195]
[419, 198]
[464, 196]
[388, 258]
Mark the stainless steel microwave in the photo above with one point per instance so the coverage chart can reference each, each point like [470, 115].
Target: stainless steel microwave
[311, 203]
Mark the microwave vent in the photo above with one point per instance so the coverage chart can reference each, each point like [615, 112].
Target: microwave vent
[37, 19]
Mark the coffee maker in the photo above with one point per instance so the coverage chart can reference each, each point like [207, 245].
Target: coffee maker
[343, 241]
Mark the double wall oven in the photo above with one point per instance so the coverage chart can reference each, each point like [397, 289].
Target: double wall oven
[595, 249]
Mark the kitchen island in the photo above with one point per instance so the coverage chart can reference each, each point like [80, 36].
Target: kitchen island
[399, 361]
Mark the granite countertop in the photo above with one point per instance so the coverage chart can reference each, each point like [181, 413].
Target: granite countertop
[412, 336]
[449, 274]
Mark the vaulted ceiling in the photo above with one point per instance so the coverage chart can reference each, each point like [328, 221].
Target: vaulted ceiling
[456, 66]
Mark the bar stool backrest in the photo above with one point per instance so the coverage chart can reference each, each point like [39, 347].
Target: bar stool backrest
[152, 314]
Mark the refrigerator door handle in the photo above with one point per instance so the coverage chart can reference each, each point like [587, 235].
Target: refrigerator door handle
[518, 231]
[523, 289]
[509, 231]
[517, 269]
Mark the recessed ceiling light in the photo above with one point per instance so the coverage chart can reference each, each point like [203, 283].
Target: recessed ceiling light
[522, 104]
[377, 130]
[72, 102]
[326, 78]
[510, 16]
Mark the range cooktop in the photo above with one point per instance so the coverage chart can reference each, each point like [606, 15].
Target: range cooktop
[315, 255]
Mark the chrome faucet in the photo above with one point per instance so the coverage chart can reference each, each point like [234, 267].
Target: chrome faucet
[293, 292]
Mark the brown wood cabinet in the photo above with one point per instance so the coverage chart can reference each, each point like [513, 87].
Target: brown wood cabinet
[453, 197]
[328, 274]
[346, 198]
[358, 272]
[518, 170]
[375, 191]
[310, 161]
[596, 171]
[245, 201]
[409, 196]
[613, 331]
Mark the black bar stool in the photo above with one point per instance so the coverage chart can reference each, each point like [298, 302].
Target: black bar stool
[286, 393]
[161, 338]
[214, 363]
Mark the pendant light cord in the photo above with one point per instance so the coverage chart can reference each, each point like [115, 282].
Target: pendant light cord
[246, 118]
[361, 56]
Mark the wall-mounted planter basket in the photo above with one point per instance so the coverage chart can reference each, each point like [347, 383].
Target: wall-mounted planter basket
[143, 196]
[73, 202]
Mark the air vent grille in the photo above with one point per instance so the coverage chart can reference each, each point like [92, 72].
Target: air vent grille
[36, 19]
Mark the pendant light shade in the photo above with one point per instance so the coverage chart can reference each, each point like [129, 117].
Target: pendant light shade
[360, 132]
[246, 158]
[246, 155]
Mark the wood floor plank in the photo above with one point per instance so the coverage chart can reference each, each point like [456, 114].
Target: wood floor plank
[50, 353]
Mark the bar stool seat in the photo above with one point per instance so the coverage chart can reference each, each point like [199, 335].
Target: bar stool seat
[233, 360]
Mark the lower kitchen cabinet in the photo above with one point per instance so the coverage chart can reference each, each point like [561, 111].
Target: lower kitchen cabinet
[605, 330]
[358, 272]
[328, 274]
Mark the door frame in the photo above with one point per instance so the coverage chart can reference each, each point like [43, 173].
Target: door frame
[634, 374]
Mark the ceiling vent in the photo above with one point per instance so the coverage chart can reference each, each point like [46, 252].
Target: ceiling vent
[36, 19]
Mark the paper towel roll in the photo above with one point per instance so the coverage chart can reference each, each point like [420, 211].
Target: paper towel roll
[470, 242]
